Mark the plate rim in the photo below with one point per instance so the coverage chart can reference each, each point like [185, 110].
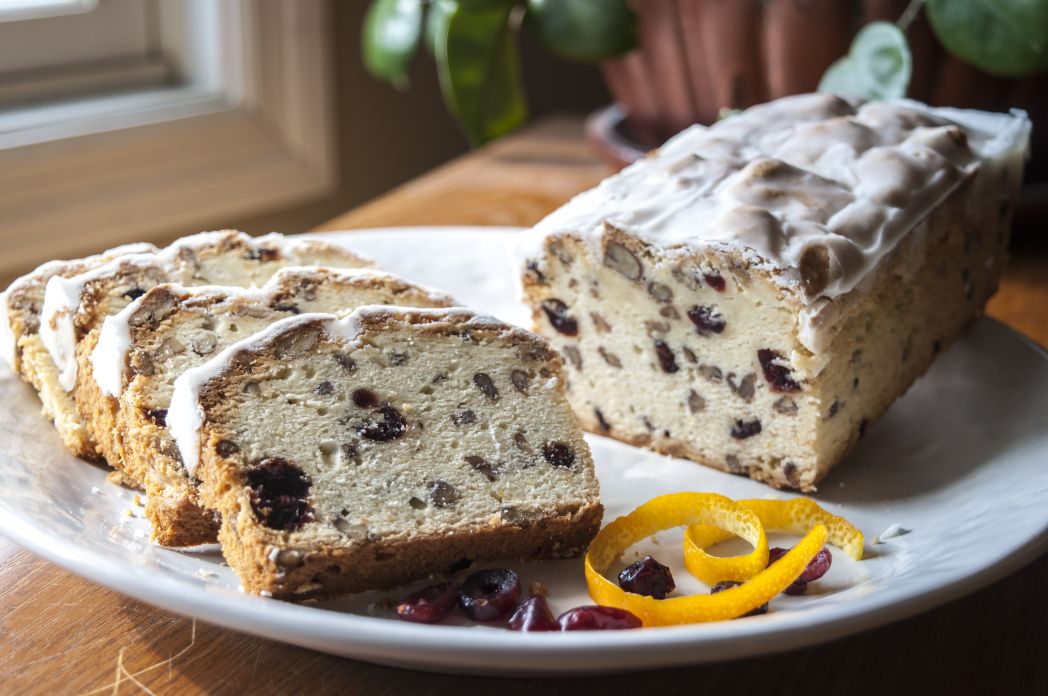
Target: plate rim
[374, 639]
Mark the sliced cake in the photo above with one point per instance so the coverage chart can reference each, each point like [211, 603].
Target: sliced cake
[75, 307]
[144, 347]
[20, 307]
[754, 295]
[347, 454]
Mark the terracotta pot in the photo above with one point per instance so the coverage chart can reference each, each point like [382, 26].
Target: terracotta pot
[697, 57]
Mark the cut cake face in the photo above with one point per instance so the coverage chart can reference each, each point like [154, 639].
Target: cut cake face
[380, 448]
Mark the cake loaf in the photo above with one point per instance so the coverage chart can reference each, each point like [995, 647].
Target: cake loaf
[74, 307]
[755, 294]
[384, 447]
[20, 307]
[143, 348]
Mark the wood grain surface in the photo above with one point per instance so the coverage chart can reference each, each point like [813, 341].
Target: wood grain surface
[60, 634]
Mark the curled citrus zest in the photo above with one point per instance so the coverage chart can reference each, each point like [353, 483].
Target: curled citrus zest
[678, 509]
[798, 515]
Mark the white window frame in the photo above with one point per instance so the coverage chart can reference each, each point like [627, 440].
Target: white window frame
[256, 136]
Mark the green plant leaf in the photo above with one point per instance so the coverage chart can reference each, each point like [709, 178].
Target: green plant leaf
[878, 65]
[391, 36]
[479, 68]
[585, 30]
[1008, 38]
[437, 15]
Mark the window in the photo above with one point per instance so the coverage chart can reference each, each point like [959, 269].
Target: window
[130, 120]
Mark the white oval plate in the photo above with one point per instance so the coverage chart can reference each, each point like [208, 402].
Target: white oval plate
[961, 461]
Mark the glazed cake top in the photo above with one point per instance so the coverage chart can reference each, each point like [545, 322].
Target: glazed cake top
[812, 181]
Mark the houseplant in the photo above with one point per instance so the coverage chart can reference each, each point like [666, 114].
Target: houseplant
[670, 63]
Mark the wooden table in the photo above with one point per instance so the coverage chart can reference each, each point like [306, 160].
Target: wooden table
[61, 634]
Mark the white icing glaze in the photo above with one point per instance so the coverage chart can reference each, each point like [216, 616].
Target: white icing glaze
[184, 415]
[62, 301]
[288, 246]
[109, 358]
[8, 339]
[801, 172]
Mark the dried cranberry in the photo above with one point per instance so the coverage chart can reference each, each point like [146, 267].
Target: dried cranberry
[715, 281]
[488, 595]
[389, 428]
[279, 494]
[365, 398]
[557, 313]
[430, 604]
[647, 577]
[597, 618]
[725, 584]
[817, 567]
[532, 614]
[744, 429]
[667, 361]
[558, 454]
[707, 320]
[778, 376]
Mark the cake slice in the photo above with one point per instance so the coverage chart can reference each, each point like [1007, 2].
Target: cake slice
[20, 307]
[355, 453]
[75, 307]
[754, 295]
[143, 348]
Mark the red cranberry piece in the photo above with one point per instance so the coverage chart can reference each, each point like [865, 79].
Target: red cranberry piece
[557, 313]
[725, 584]
[597, 618]
[647, 577]
[667, 360]
[558, 454]
[430, 604]
[715, 281]
[279, 494]
[533, 614]
[488, 595]
[707, 320]
[778, 376]
[365, 398]
[389, 428]
[817, 567]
